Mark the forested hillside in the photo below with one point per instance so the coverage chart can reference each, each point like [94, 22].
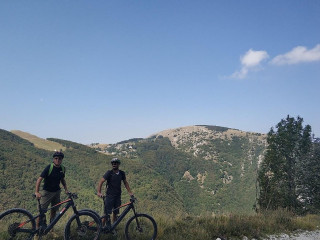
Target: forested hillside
[212, 169]
[202, 170]
[22, 163]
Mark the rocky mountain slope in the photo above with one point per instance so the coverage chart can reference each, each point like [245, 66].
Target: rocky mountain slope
[210, 166]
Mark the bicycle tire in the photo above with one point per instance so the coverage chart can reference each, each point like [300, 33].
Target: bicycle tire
[84, 225]
[147, 229]
[16, 224]
[89, 210]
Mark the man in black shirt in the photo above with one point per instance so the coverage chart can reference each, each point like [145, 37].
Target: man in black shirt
[113, 195]
[53, 174]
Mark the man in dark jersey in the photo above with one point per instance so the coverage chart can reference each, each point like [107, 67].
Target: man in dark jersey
[53, 174]
[113, 196]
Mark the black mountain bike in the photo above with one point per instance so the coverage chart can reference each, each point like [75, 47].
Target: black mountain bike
[139, 227]
[18, 223]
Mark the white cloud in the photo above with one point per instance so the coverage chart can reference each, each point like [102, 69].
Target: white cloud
[250, 61]
[298, 54]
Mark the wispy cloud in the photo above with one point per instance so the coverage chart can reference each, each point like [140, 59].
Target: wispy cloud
[297, 55]
[250, 61]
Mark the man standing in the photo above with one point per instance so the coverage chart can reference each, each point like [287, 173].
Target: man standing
[53, 174]
[113, 195]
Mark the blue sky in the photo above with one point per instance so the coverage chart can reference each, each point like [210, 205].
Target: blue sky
[106, 71]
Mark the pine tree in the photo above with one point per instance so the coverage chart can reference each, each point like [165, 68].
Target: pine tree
[311, 190]
[281, 174]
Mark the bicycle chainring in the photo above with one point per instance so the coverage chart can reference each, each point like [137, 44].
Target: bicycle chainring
[12, 229]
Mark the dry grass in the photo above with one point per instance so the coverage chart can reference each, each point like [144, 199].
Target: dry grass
[39, 142]
[232, 226]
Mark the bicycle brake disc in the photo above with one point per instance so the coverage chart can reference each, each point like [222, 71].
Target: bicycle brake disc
[82, 230]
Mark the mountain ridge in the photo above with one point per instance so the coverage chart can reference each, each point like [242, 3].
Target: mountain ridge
[226, 159]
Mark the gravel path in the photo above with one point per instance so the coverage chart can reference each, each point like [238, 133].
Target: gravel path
[314, 235]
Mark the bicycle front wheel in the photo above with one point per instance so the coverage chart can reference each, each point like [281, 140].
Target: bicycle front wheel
[17, 224]
[81, 226]
[142, 227]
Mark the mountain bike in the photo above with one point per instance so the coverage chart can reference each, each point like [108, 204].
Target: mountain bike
[18, 223]
[139, 227]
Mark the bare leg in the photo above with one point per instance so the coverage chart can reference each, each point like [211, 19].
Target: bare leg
[38, 222]
[114, 217]
[108, 221]
[52, 214]
[103, 222]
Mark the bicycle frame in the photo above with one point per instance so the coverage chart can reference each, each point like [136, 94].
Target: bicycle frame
[69, 202]
[122, 215]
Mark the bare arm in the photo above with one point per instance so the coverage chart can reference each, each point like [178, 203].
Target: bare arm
[39, 180]
[64, 184]
[126, 184]
[102, 180]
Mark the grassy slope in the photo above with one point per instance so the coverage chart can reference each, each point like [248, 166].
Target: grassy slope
[22, 163]
[39, 142]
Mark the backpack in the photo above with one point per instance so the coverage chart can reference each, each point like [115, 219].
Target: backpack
[51, 167]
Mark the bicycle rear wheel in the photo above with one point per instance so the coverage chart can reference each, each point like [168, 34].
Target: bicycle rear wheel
[17, 224]
[142, 227]
[81, 226]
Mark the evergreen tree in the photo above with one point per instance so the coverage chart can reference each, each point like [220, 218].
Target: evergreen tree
[311, 193]
[281, 175]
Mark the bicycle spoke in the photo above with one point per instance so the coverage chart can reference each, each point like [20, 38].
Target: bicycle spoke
[16, 225]
[83, 226]
[141, 227]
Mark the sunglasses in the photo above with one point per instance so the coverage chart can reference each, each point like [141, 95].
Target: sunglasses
[114, 163]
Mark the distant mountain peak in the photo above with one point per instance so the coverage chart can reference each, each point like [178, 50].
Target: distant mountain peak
[199, 134]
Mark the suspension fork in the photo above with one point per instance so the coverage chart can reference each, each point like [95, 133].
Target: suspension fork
[135, 214]
[77, 213]
[75, 209]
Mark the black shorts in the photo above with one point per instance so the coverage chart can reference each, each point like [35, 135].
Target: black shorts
[110, 203]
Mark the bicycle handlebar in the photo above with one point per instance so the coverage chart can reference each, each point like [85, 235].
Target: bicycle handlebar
[72, 195]
[133, 199]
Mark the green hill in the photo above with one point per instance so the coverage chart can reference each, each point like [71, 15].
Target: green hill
[212, 168]
[22, 163]
[200, 169]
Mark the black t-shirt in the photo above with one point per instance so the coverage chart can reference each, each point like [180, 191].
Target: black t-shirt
[114, 182]
[52, 182]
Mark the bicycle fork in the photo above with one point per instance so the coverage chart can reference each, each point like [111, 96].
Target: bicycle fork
[136, 219]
